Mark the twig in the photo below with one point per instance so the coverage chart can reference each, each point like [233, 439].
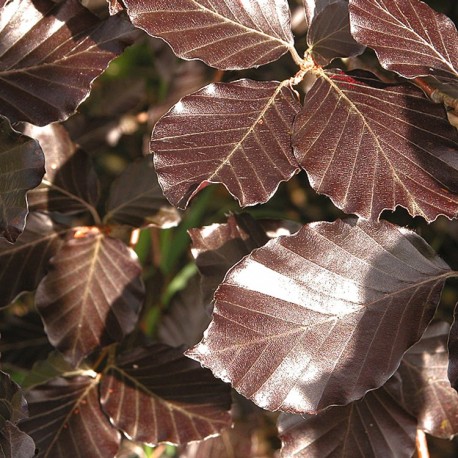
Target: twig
[422, 444]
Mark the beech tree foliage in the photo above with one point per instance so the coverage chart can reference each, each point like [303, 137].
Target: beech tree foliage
[329, 323]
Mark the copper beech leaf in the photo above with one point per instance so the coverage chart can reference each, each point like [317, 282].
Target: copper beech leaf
[21, 169]
[234, 133]
[14, 443]
[92, 294]
[222, 33]
[408, 36]
[321, 317]
[155, 394]
[24, 264]
[50, 53]
[375, 426]
[65, 415]
[314, 7]
[377, 147]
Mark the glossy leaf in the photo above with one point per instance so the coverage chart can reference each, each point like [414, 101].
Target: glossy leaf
[50, 54]
[235, 133]
[155, 394]
[70, 184]
[24, 264]
[373, 427]
[136, 198]
[65, 414]
[372, 148]
[321, 317]
[329, 34]
[21, 169]
[224, 34]
[100, 304]
[14, 443]
[408, 36]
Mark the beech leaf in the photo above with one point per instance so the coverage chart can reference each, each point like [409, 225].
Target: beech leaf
[100, 304]
[155, 394]
[225, 35]
[321, 317]
[409, 37]
[372, 147]
[21, 169]
[314, 7]
[235, 133]
[14, 443]
[49, 55]
[64, 414]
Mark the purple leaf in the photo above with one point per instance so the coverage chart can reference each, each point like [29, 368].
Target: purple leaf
[314, 7]
[14, 443]
[321, 317]
[225, 35]
[21, 169]
[92, 294]
[371, 148]
[155, 394]
[235, 133]
[49, 55]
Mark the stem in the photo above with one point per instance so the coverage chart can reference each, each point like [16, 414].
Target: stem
[422, 444]
[435, 94]
[296, 57]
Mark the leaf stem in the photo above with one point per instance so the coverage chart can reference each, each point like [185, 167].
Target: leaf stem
[296, 57]
[422, 444]
[436, 95]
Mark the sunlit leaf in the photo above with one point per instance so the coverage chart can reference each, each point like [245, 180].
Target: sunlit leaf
[21, 169]
[321, 317]
[155, 394]
[24, 264]
[235, 133]
[136, 198]
[100, 304]
[225, 35]
[49, 55]
[65, 419]
[372, 148]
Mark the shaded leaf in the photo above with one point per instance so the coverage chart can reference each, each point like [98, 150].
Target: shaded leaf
[372, 148]
[24, 264]
[373, 427]
[314, 7]
[70, 184]
[225, 35]
[21, 169]
[329, 34]
[315, 319]
[14, 443]
[13, 406]
[408, 36]
[180, 401]
[65, 415]
[57, 49]
[452, 371]
[136, 198]
[100, 304]
[235, 133]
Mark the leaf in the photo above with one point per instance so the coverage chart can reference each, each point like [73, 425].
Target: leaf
[235, 133]
[321, 317]
[50, 54]
[115, 6]
[70, 184]
[409, 37]
[375, 426]
[24, 264]
[180, 401]
[225, 35]
[21, 169]
[66, 419]
[314, 7]
[101, 302]
[14, 443]
[136, 198]
[371, 148]
[329, 34]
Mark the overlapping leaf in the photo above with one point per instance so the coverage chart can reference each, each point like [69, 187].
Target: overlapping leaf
[92, 294]
[65, 415]
[452, 371]
[224, 34]
[321, 317]
[408, 36]
[314, 7]
[21, 169]
[24, 264]
[155, 394]
[375, 426]
[136, 198]
[371, 148]
[49, 55]
[14, 443]
[235, 133]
